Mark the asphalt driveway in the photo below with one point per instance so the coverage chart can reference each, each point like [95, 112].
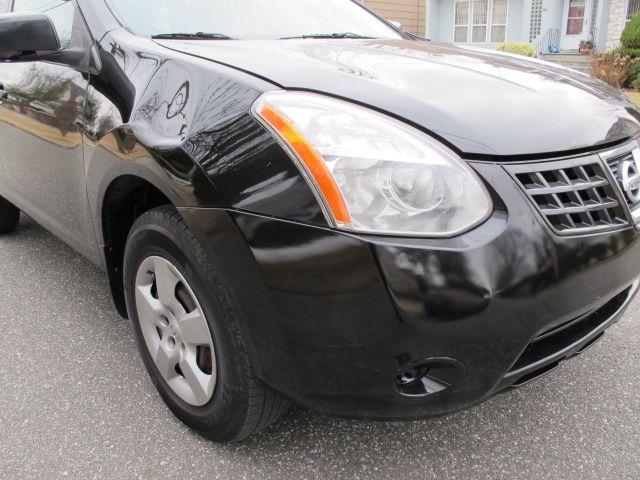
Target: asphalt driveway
[75, 402]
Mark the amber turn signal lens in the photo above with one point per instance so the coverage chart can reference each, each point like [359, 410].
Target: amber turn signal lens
[312, 161]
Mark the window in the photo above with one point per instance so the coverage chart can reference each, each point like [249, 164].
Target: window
[250, 19]
[480, 21]
[575, 17]
[498, 21]
[480, 16]
[461, 22]
[66, 17]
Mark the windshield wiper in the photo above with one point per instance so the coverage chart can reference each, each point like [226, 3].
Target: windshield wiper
[329, 35]
[192, 36]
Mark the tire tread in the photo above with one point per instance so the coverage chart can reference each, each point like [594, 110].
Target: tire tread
[263, 404]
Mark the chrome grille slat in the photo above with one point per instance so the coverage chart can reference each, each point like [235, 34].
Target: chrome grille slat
[569, 188]
[574, 196]
[579, 209]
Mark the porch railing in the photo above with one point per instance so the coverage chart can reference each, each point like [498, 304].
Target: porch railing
[552, 37]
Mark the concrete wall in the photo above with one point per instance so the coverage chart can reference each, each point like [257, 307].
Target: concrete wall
[412, 14]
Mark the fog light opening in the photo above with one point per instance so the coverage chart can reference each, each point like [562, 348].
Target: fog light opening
[428, 377]
[412, 375]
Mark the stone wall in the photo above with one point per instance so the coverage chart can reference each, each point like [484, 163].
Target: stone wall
[616, 21]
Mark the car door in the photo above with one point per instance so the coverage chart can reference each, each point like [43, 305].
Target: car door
[41, 112]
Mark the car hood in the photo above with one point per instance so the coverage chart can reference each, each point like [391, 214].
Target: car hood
[479, 102]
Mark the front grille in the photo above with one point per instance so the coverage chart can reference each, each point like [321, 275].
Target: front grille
[573, 196]
[616, 163]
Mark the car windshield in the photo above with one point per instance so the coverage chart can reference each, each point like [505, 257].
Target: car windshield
[251, 19]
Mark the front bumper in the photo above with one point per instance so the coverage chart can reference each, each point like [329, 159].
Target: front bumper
[341, 323]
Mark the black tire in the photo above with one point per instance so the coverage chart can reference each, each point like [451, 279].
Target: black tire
[241, 404]
[9, 216]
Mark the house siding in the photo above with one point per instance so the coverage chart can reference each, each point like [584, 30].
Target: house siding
[609, 21]
[440, 20]
[515, 28]
[412, 14]
[551, 20]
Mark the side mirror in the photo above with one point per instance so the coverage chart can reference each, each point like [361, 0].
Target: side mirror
[27, 37]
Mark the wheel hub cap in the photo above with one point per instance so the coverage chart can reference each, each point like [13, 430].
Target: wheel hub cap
[175, 331]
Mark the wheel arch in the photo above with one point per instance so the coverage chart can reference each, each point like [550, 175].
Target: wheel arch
[126, 197]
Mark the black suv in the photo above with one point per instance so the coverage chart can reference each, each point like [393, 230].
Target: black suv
[296, 200]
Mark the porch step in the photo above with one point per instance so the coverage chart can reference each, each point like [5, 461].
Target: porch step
[576, 61]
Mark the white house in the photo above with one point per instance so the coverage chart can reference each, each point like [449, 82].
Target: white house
[487, 23]
[544, 23]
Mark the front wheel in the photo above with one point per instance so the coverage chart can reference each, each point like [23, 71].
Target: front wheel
[187, 332]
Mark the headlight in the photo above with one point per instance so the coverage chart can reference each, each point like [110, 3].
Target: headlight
[373, 173]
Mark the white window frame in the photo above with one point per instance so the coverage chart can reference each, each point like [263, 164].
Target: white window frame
[485, 25]
[455, 25]
[489, 25]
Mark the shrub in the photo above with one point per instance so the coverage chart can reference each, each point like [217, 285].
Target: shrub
[631, 52]
[518, 48]
[635, 84]
[631, 34]
[634, 73]
[612, 67]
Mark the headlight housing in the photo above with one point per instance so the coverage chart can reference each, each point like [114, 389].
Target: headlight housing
[372, 173]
